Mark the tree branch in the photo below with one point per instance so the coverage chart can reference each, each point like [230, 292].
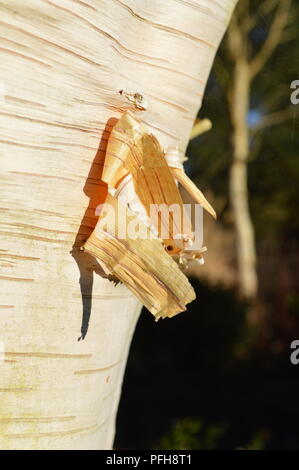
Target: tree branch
[266, 7]
[235, 39]
[273, 119]
[274, 36]
[200, 127]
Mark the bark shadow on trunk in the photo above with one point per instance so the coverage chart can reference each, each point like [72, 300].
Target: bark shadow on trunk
[96, 191]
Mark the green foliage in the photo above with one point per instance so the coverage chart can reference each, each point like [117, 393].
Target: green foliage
[257, 442]
[193, 434]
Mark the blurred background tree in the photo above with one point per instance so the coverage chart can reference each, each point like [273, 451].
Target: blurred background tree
[251, 85]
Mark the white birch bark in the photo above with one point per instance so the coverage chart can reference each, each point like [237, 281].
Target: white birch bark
[62, 65]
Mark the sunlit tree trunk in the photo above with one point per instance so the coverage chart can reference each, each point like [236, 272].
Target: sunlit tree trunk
[62, 66]
[247, 65]
[238, 180]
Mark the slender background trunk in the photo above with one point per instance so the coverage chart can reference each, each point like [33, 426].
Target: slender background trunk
[238, 180]
[62, 66]
[247, 64]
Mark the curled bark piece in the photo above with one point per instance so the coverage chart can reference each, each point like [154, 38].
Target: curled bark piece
[132, 150]
[139, 262]
[193, 190]
[175, 163]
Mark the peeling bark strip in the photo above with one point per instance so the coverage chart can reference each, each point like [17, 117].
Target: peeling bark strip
[145, 181]
[133, 151]
[143, 265]
[62, 64]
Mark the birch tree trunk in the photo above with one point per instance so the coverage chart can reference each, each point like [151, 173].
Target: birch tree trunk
[62, 66]
[239, 107]
[247, 66]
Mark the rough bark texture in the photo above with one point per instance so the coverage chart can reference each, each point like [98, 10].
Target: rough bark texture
[62, 65]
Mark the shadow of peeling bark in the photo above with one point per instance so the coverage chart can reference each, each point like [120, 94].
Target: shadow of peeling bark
[96, 190]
